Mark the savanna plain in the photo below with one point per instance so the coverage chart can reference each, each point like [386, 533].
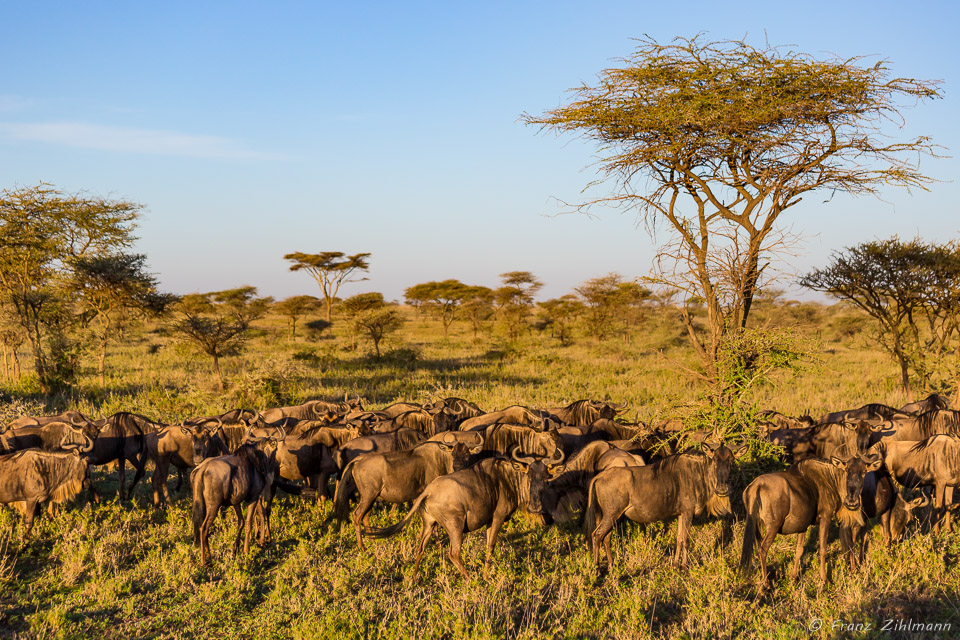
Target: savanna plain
[126, 569]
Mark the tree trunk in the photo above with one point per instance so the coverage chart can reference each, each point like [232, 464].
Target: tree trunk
[293, 328]
[329, 302]
[102, 359]
[376, 346]
[16, 366]
[216, 368]
[905, 378]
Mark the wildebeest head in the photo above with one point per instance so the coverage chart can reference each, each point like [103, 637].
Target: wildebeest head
[76, 440]
[854, 469]
[901, 514]
[719, 464]
[607, 410]
[533, 481]
[460, 450]
[864, 430]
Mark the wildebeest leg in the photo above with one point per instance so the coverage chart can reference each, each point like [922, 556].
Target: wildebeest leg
[122, 474]
[425, 534]
[264, 515]
[239, 511]
[769, 535]
[159, 482]
[213, 509]
[885, 528]
[798, 556]
[140, 464]
[683, 532]
[177, 488]
[455, 532]
[361, 516]
[823, 533]
[30, 512]
[938, 506]
[252, 512]
[948, 502]
[492, 532]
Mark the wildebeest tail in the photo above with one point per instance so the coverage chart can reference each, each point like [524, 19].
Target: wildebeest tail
[394, 529]
[345, 488]
[590, 515]
[199, 506]
[750, 532]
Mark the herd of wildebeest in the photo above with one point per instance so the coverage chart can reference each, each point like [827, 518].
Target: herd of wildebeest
[464, 468]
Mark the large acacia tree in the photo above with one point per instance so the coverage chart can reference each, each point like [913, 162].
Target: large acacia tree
[330, 269]
[716, 140]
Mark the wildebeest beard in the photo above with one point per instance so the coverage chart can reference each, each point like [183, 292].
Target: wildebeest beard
[719, 505]
[849, 517]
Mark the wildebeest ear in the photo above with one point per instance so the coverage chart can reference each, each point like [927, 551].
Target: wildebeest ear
[741, 451]
[185, 431]
[838, 462]
[518, 466]
[917, 503]
[445, 446]
[876, 464]
[882, 426]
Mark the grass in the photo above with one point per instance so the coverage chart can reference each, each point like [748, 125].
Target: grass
[126, 570]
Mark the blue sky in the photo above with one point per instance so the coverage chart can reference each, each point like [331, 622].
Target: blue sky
[250, 130]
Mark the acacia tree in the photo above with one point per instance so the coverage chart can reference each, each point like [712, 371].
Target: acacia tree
[218, 323]
[447, 295]
[610, 302]
[478, 308]
[108, 285]
[43, 232]
[354, 306]
[294, 308]
[330, 269]
[559, 315]
[716, 140]
[912, 290]
[515, 299]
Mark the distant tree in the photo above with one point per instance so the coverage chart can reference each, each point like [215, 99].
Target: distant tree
[912, 290]
[330, 269]
[478, 308]
[378, 323]
[447, 296]
[716, 140]
[611, 303]
[218, 323]
[559, 315]
[106, 285]
[294, 308]
[515, 299]
[316, 328]
[355, 306]
[43, 232]
[12, 338]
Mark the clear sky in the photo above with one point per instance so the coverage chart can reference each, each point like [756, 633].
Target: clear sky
[254, 129]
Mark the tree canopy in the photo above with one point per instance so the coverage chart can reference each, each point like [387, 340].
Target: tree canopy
[715, 140]
[330, 269]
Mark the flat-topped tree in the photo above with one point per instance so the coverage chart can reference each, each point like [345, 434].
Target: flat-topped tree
[715, 140]
[294, 308]
[330, 269]
[447, 295]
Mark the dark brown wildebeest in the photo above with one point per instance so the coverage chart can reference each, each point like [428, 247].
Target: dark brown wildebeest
[874, 412]
[122, 437]
[464, 408]
[395, 409]
[934, 462]
[567, 490]
[503, 438]
[399, 440]
[313, 410]
[47, 437]
[924, 425]
[182, 446]
[811, 492]
[245, 476]
[395, 476]
[309, 456]
[931, 402]
[469, 438]
[484, 495]
[774, 420]
[511, 415]
[72, 417]
[683, 485]
[618, 430]
[430, 424]
[30, 477]
[828, 439]
[583, 413]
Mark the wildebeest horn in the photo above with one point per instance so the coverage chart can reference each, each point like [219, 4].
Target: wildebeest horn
[88, 446]
[448, 438]
[77, 424]
[283, 434]
[558, 458]
[521, 459]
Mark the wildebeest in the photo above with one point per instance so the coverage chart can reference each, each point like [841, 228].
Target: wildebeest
[874, 412]
[398, 440]
[182, 446]
[245, 476]
[72, 417]
[469, 438]
[312, 410]
[430, 424]
[827, 439]
[789, 502]
[934, 462]
[464, 408]
[511, 415]
[309, 456]
[47, 437]
[395, 476]
[485, 494]
[773, 420]
[122, 437]
[931, 402]
[502, 438]
[924, 425]
[582, 413]
[682, 485]
[30, 477]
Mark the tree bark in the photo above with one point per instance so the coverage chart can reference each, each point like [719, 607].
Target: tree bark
[216, 368]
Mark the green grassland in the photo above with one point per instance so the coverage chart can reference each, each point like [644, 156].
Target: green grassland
[123, 569]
